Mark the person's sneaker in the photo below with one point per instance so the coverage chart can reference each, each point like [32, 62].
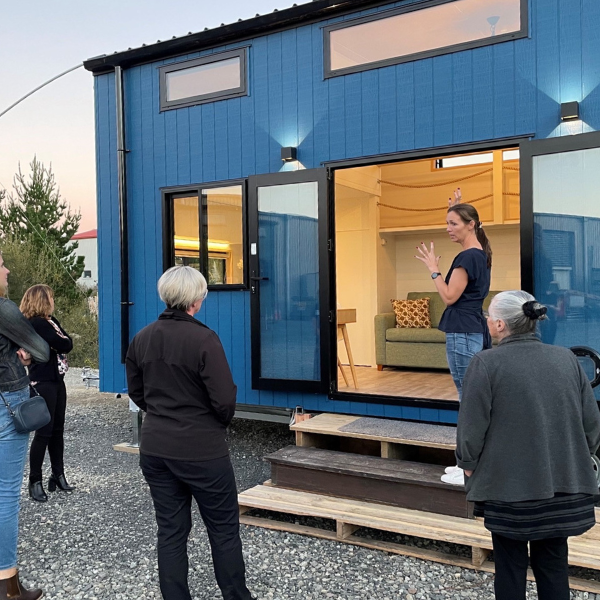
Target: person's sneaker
[457, 477]
[451, 469]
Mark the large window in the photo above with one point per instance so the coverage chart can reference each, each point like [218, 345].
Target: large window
[416, 32]
[216, 77]
[205, 230]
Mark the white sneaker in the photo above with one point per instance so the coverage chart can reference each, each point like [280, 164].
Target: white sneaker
[457, 477]
[451, 469]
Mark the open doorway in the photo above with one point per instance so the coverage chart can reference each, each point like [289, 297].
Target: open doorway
[381, 214]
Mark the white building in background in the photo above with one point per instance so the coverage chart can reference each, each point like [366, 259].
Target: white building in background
[88, 248]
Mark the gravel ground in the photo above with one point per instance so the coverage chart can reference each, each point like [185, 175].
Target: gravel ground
[99, 542]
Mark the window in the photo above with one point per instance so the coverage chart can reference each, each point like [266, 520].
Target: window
[87, 274]
[443, 26]
[205, 230]
[215, 77]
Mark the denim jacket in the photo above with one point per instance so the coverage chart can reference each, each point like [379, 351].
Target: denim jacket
[17, 332]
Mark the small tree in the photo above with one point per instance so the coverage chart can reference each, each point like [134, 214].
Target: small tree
[36, 214]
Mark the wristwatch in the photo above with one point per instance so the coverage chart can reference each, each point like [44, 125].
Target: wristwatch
[435, 275]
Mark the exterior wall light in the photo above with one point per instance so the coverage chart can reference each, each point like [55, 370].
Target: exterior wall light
[569, 111]
[288, 154]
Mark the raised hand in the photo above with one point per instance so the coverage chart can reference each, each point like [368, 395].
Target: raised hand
[457, 198]
[428, 257]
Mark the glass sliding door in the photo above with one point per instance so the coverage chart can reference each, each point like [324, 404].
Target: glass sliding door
[565, 191]
[288, 282]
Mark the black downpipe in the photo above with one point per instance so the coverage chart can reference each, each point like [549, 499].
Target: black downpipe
[123, 234]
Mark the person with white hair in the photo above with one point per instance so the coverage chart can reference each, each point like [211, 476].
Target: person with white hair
[527, 426]
[178, 374]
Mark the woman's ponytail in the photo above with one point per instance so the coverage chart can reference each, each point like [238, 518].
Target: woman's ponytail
[485, 242]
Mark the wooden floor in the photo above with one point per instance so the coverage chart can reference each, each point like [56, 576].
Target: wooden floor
[400, 382]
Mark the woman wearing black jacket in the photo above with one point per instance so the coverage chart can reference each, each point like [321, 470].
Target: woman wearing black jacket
[177, 373]
[48, 378]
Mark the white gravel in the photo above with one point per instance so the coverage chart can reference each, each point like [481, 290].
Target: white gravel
[99, 542]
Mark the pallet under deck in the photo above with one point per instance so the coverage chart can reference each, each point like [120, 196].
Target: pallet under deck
[351, 515]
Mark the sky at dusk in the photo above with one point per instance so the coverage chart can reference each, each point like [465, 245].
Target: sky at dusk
[39, 40]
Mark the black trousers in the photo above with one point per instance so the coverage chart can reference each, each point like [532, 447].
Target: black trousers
[52, 435]
[549, 562]
[211, 483]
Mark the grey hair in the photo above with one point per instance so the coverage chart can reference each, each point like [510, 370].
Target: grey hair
[180, 287]
[519, 310]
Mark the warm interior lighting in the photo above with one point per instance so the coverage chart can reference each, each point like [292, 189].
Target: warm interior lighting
[183, 243]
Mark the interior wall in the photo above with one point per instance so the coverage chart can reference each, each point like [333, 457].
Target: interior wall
[413, 276]
[357, 241]
[386, 272]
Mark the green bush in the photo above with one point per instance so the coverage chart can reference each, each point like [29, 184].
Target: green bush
[81, 324]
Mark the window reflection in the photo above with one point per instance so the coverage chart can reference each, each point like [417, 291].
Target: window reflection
[567, 246]
[186, 226]
[225, 235]
[438, 27]
[204, 79]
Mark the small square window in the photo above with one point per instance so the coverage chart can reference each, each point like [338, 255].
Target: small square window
[87, 274]
[207, 79]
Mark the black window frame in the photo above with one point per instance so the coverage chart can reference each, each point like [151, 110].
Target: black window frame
[329, 73]
[242, 90]
[170, 193]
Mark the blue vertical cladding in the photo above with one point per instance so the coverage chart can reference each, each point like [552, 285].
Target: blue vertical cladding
[507, 89]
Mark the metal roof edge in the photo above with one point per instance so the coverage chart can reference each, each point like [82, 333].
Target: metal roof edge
[287, 18]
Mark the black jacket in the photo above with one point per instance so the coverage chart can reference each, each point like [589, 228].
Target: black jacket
[178, 373]
[16, 332]
[48, 371]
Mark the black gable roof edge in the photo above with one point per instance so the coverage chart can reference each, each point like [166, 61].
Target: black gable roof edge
[279, 20]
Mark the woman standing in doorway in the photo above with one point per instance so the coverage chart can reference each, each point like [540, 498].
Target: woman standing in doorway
[49, 378]
[463, 291]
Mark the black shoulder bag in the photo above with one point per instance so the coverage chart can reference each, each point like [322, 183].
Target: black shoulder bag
[30, 415]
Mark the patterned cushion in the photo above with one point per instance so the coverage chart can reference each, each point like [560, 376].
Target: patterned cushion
[412, 313]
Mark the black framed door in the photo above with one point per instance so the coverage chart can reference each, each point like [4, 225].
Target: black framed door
[561, 237]
[289, 283]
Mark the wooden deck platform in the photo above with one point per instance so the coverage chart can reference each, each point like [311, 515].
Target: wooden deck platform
[351, 515]
[326, 431]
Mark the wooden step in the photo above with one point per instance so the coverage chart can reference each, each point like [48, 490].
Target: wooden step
[330, 431]
[350, 515]
[395, 482]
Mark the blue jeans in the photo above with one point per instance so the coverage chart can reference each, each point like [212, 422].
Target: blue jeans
[460, 349]
[13, 450]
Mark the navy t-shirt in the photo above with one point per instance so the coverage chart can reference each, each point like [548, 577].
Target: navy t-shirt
[466, 314]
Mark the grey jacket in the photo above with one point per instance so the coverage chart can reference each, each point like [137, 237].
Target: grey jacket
[17, 332]
[528, 423]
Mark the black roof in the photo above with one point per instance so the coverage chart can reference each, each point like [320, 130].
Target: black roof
[317, 10]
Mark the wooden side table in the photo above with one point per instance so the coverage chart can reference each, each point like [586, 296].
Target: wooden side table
[344, 316]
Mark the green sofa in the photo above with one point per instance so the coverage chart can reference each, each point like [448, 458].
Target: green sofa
[414, 347]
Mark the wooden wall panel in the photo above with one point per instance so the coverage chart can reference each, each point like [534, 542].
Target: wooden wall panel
[509, 89]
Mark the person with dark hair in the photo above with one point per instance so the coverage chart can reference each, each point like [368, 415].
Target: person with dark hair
[177, 373]
[527, 426]
[20, 346]
[37, 305]
[463, 291]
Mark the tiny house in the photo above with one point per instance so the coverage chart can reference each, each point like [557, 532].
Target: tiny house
[297, 158]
